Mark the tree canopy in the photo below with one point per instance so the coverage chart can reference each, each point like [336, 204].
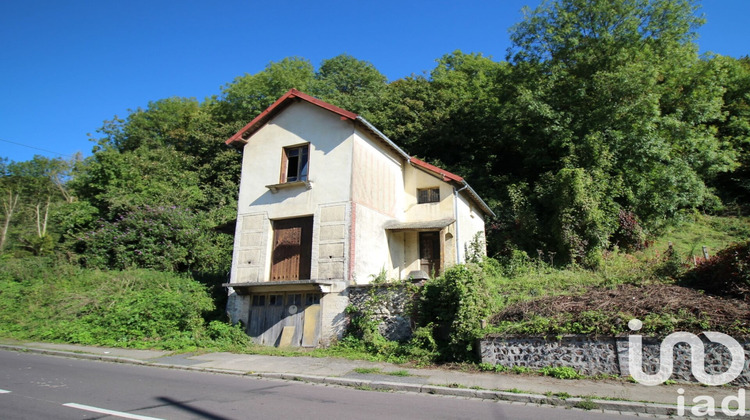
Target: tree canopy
[602, 125]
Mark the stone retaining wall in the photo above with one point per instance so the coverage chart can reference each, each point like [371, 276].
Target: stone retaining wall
[389, 306]
[604, 355]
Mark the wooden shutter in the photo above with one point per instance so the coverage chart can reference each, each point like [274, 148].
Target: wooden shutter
[292, 249]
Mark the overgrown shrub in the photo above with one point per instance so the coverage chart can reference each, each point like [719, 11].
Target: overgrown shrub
[727, 273]
[580, 224]
[456, 303]
[629, 234]
[365, 319]
[560, 372]
[49, 300]
[160, 238]
[670, 264]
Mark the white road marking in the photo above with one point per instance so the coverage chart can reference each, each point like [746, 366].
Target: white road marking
[109, 412]
[2, 391]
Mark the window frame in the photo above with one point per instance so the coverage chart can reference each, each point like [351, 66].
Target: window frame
[432, 195]
[302, 164]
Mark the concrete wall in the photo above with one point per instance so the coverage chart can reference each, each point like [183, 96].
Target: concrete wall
[372, 254]
[333, 318]
[603, 355]
[330, 162]
[377, 180]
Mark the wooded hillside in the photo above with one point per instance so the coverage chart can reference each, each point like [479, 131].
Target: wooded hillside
[602, 126]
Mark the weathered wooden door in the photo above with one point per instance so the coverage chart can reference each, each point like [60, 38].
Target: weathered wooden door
[292, 249]
[429, 252]
[291, 319]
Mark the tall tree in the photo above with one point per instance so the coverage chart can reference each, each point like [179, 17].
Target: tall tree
[616, 88]
[248, 95]
[349, 83]
[734, 130]
[31, 191]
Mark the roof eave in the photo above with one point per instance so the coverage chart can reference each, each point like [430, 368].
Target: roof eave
[478, 200]
[240, 138]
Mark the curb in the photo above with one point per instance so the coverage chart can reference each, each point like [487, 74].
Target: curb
[593, 404]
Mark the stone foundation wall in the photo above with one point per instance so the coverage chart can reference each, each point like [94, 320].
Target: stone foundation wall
[390, 307]
[605, 355]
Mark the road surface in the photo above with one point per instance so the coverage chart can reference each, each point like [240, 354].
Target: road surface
[46, 387]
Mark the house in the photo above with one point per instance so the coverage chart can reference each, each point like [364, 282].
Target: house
[326, 203]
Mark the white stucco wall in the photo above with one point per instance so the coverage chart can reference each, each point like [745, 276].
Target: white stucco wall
[471, 223]
[330, 162]
[377, 193]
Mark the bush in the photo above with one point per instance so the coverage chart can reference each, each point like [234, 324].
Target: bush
[727, 273]
[45, 299]
[456, 303]
[629, 235]
[159, 238]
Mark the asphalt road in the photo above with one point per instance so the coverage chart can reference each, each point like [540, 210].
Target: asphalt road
[47, 387]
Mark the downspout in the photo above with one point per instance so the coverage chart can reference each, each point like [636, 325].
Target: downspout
[455, 217]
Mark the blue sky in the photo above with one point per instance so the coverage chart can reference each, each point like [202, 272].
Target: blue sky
[68, 65]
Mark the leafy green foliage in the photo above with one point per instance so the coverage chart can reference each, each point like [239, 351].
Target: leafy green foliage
[363, 333]
[161, 238]
[44, 299]
[32, 193]
[488, 367]
[455, 303]
[561, 372]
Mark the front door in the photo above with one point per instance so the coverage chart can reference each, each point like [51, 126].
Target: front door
[292, 249]
[429, 252]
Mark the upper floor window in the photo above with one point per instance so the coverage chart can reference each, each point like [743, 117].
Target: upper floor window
[294, 163]
[428, 195]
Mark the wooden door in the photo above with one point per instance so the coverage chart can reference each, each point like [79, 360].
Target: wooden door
[297, 313]
[292, 249]
[429, 252]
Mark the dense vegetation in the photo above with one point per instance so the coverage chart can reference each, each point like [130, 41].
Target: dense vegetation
[43, 299]
[602, 129]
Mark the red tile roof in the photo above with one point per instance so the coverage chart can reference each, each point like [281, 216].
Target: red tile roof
[447, 176]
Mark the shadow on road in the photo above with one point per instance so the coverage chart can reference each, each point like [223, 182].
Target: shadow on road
[195, 411]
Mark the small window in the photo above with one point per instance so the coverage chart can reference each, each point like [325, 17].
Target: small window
[294, 164]
[276, 300]
[428, 195]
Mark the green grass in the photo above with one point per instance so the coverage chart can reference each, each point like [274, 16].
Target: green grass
[699, 230]
[377, 370]
[367, 370]
[586, 405]
[561, 372]
[402, 373]
[534, 279]
[521, 370]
